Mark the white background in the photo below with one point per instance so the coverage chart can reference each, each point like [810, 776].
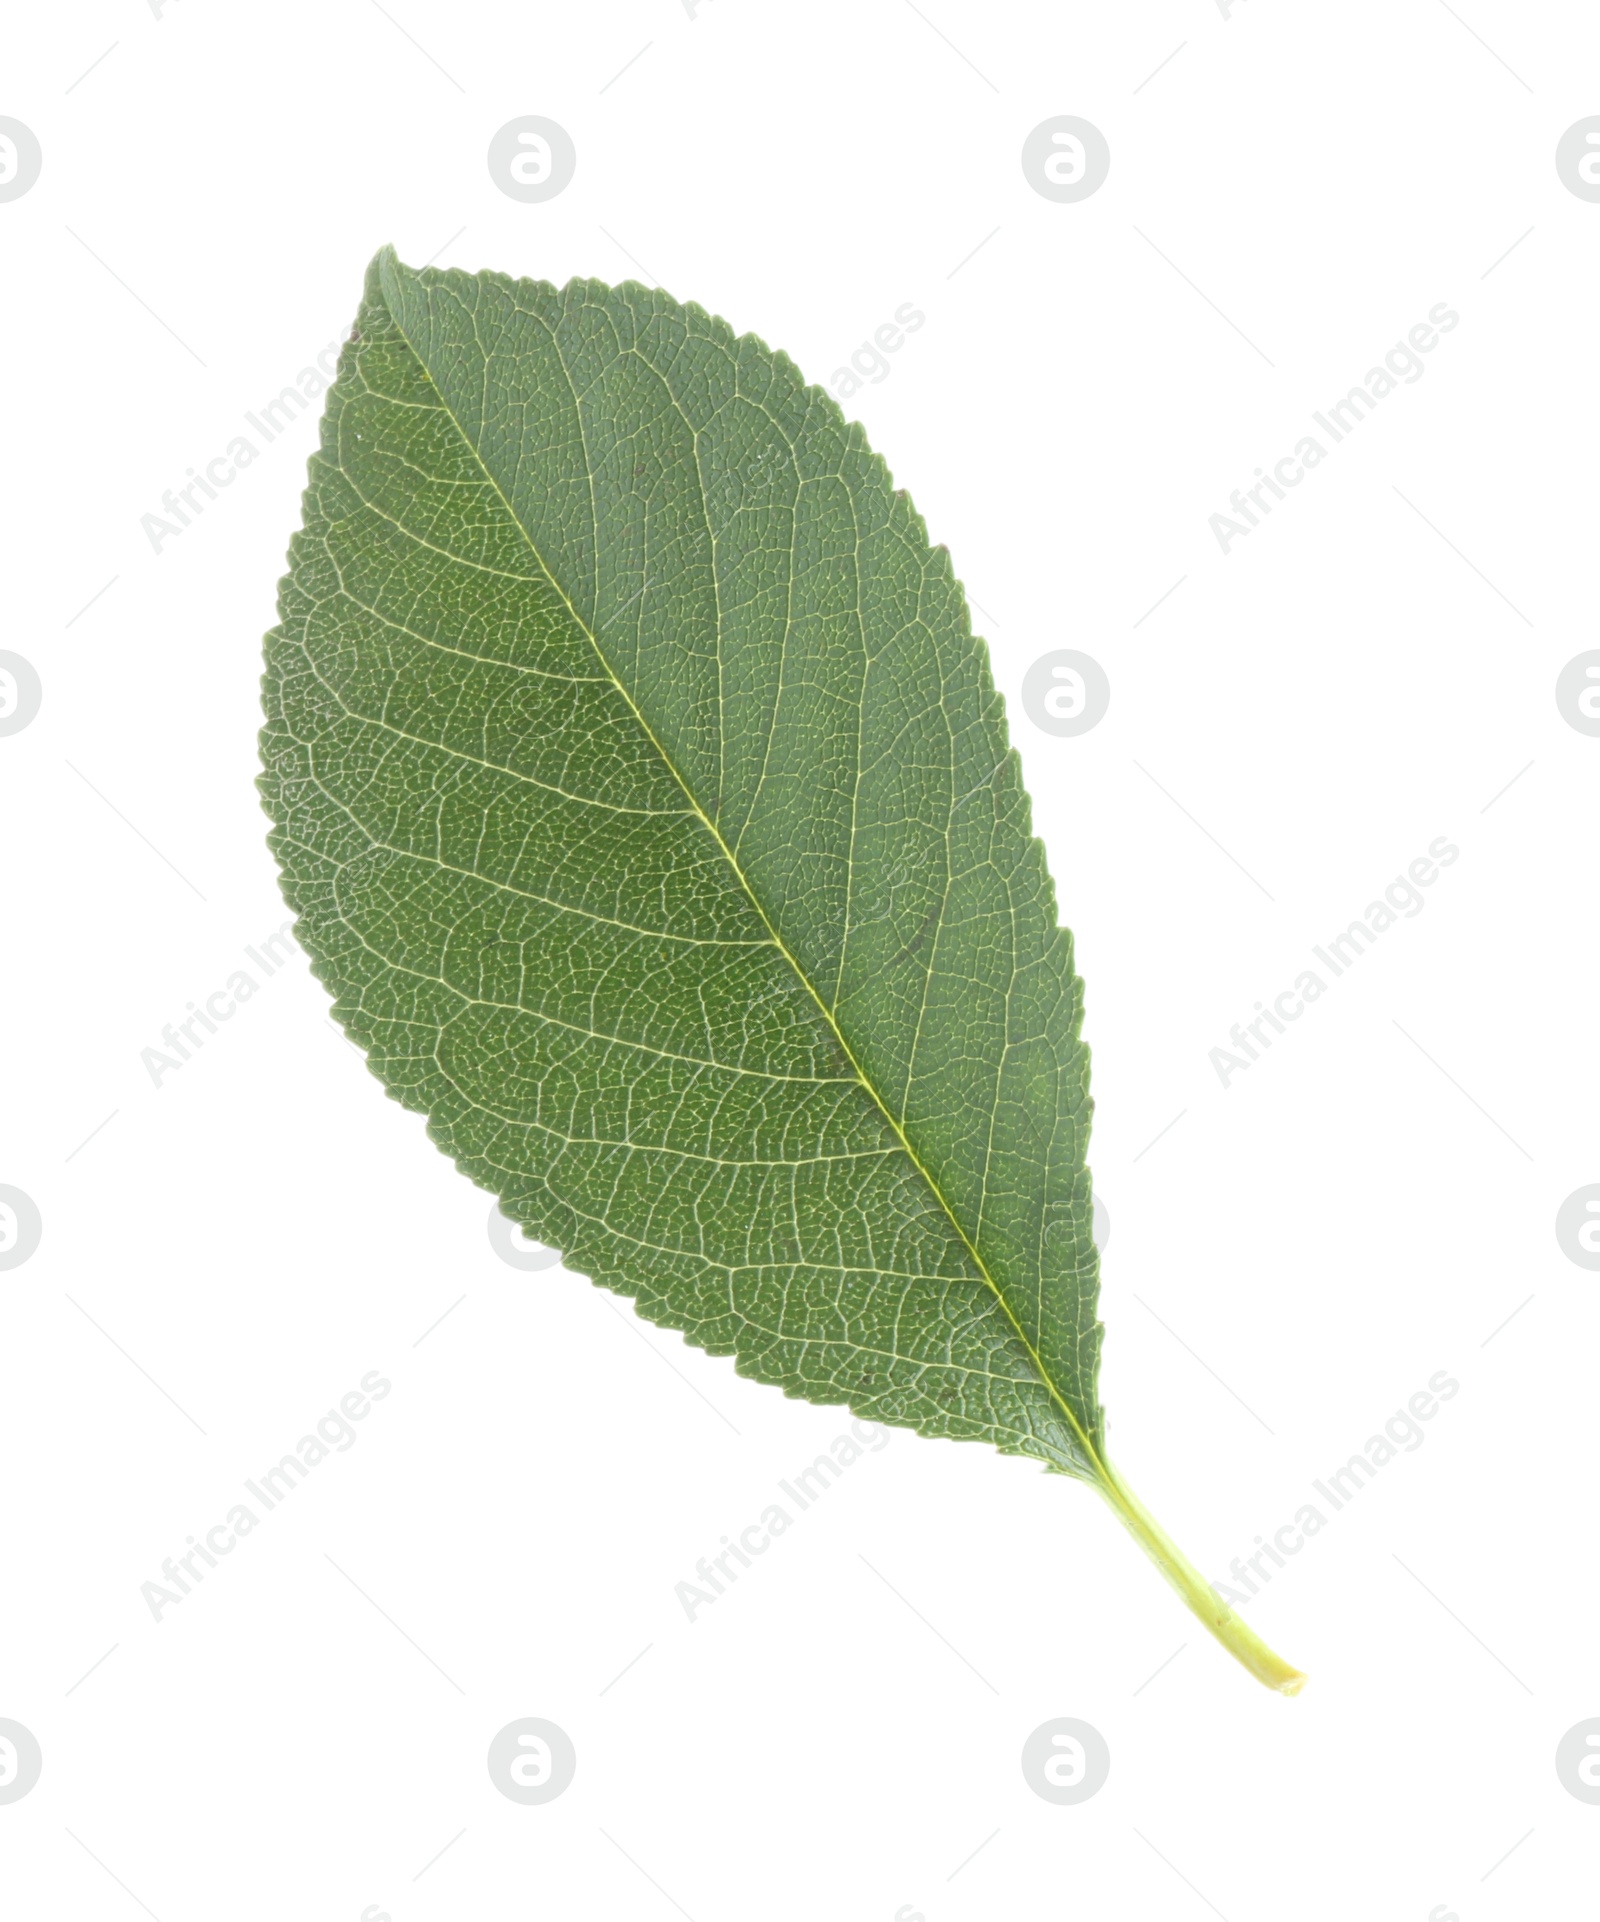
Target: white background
[1287, 1264]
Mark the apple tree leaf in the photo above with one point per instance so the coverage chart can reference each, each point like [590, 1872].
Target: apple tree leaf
[648, 809]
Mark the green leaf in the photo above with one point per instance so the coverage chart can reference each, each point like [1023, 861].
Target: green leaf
[648, 808]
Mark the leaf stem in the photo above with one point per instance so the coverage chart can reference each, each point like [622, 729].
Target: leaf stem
[1236, 1636]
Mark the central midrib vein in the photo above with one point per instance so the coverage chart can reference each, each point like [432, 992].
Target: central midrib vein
[710, 826]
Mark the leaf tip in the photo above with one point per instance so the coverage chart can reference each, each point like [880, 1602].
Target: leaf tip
[382, 271]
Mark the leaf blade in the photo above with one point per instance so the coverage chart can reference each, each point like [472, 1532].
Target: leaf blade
[864, 878]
